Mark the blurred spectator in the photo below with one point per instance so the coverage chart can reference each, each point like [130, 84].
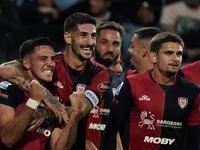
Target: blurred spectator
[189, 30]
[41, 18]
[102, 10]
[195, 57]
[37, 11]
[65, 4]
[183, 18]
[11, 31]
[170, 1]
[143, 13]
[171, 12]
[190, 55]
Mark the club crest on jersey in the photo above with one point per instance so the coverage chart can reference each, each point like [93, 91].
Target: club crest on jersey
[81, 87]
[182, 101]
[4, 85]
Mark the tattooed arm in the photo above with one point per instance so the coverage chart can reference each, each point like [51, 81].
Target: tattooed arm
[62, 139]
[13, 71]
[54, 104]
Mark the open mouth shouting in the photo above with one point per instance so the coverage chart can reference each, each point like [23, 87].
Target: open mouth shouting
[47, 72]
[87, 49]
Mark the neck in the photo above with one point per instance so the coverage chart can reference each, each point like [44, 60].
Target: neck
[31, 77]
[93, 59]
[145, 66]
[162, 78]
[73, 61]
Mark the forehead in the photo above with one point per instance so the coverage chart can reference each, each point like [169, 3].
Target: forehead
[89, 28]
[44, 50]
[172, 46]
[135, 38]
[109, 34]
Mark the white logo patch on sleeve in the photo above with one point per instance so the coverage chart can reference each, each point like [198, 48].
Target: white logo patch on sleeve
[4, 85]
[119, 88]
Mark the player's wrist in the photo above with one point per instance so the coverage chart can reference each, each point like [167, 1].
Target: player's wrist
[32, 103]
[76, 113]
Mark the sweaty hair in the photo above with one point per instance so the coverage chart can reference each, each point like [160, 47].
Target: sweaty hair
[110, 25]
[28, 47]
[147, 32]
[78, 18]
[159, 39]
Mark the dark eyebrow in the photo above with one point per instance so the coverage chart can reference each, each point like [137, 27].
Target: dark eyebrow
[180, 52]
[94, 34]
[104, 39]
[85, 33]
[43, 57]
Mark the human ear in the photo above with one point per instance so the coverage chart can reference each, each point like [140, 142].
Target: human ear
[153, 57]
[26, 63]
[67, 37]
[144, 51]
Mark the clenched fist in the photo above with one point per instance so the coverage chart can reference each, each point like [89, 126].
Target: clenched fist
[37, 91]
[77, 99]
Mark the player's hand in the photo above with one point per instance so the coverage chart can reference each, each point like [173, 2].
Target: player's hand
[38, 118]
[89, 145]
[54, 104]
[77, 100]
[36, 91]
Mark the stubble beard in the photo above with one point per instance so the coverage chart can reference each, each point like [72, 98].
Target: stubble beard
[80, 57]
[106, 62]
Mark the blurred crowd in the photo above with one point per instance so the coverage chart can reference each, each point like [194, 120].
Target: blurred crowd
[23, 19]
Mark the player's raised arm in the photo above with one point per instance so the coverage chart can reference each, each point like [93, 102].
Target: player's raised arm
[62, 139]
[13, 72]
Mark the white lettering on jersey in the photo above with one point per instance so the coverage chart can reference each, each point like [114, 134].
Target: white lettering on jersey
[95, 112]
[96, 126]
[103, 110]
[59, 84]
[144, 98]
[47, 133]
[103, 86]
[158, 140]
[166, 122]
